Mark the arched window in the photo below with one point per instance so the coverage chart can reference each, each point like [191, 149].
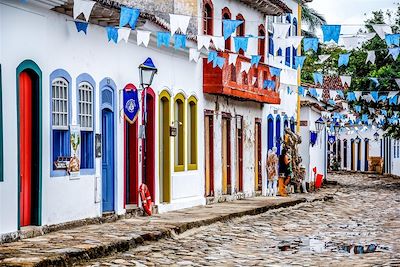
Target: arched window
[271, 44]
[241, 30]
[192, 134]
[179, 122]
[208, 17]
[288, 49]
[85, 97]
[294, 33]
[261, 41]
[60, 106]
[226, 14]
[270, 132]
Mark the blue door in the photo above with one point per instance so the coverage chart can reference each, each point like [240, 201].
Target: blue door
[270, 133]
[278, 135]
[107, 159]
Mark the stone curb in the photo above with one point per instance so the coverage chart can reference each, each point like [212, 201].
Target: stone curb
[69, 258]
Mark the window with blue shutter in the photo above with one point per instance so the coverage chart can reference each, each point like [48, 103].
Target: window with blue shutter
[85, 116]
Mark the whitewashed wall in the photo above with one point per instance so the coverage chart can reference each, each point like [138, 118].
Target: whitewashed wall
[52, 42]
[395, 157]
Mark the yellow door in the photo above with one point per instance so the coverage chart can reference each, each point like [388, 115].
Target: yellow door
[165, 168]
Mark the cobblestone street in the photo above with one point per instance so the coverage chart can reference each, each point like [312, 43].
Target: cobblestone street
[359, 227]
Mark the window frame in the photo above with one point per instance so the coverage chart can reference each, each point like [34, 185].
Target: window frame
[261, 41]
[288, 50]
[59, 74]
[208, 22]
[294, 33]
[180, 167]
[193, 134]
[226, 14]
[86, 78]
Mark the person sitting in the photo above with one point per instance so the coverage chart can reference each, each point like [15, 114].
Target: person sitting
[284, 172]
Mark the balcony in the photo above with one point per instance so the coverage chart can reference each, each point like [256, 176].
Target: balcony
[231, 82]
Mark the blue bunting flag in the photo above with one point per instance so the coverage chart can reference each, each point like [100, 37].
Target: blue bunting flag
[180, 41]
[393, 100]
[241, 43]
[375, 81]
[229, 27]
[318, 78]
[394, 52]
[382, 98]
[301, 91]
[357, 109]
[129, 16]
[299, 61]
[364, 118]
[331, 102]
[384, 112]
[163, 38]
[375, 96]
[340, 93]
[269, 84]
[310, 43]
[275, 71]
[255, 60]
[112, 34]
[344, 59]
[212, 55]
[331, 32]
[219, 62]
[81, 26]
[392, 39]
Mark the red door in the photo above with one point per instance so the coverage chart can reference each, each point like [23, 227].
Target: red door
[149, 143]
[131, 162]
[25, 106]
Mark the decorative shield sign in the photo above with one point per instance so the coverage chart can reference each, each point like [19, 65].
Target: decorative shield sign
[131, 103]
[331, 139]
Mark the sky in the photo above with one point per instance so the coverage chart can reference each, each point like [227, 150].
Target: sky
[350, 11]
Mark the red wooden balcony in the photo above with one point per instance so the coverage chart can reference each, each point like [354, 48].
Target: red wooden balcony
[231, 82]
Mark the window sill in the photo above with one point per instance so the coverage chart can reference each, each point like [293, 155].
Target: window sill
[192, 167]
[179, 168]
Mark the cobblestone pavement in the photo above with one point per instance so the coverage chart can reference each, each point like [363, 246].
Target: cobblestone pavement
[364, 217]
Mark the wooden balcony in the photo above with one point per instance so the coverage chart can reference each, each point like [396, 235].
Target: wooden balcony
[231, 82]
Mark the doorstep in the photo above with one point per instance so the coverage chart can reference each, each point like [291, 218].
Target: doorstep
[80, 244]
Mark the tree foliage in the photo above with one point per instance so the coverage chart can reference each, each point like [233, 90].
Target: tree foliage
[385, 68]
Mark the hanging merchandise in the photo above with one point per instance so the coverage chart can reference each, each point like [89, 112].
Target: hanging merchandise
[229, 27]
[129, 16]
[331, 32]
[81, 26]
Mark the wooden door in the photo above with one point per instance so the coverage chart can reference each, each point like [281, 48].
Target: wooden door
[359, 156]
[165, 168]
[25, 128]
[209, 154]
[226, 156]
[258, 157]
[366, 167]
[353, 167]
[148, 160]
[108, 186]
[239, 126]
[131, 163]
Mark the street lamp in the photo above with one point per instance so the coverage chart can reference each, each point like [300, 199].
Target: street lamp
[319, 124]
[376, 137]
[147, 70]
[358, 140]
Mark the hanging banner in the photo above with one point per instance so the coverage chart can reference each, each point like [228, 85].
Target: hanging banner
[75, 140]
[131, 103]
[331, 139]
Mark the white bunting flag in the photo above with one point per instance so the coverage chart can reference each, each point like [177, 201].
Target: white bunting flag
[245, 66]
[357, 94]
[254, 80]
[319, 93]
[382, 30]
[398, 82]
[323, 58]
[367, 98]
[369, 36]
[295, 41]
[281, 29]
[349, 42]
[252, 46]
[392, 94]
[194, 54]
[333, 94]
[203, 41]
[232, 59]
[178, 22]
[143, 37]
[371, 57]
[83, 6]
[219, 43]
[345, 106]
[346, 80]
[371, 111]
[279, 43]
[123, 34]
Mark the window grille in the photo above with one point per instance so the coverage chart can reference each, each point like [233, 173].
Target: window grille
[86, 106]
[60, 104]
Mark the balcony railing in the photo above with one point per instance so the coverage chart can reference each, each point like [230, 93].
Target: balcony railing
[230, 81]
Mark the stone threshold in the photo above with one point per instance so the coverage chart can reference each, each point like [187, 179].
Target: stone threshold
[69, 247]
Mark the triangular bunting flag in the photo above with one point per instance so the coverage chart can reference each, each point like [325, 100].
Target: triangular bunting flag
[323, 58]
[219, 43]
[83, 6]
[163, 39]
[398, 82]
[382, 30]
[318, 78]
[331, 32]
[219, 62]
[394, 52]
[232, 59]
[241, 43]
[128, 16]
[123, 34]
[81, 26]
[143, 37]
[194, 54]
[344, 59]
[229, 27]
[245, 66]
[255, 60]
[275, 71]
[212, 55]
[357, 95]
[180, 41]
[178, 22]
[112, 34]
[375, 81]
[310, 43]
[281, 29]
[371, 57]
[299, 61]
[203, 41]
[346, 80]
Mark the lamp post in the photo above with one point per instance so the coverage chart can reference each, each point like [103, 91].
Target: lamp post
[376, 137]
[319, 124]
[147, 70]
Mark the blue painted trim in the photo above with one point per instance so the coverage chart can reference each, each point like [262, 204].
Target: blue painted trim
[85, 77]
[270, 131]
[59, 73]
[109, 84]
[1, 132]
[278, 129]
[271, 44]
